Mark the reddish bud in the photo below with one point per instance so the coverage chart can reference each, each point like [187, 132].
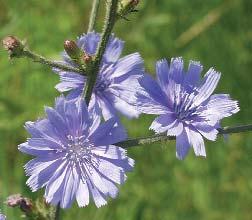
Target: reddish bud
[72, 50]
[13, 45]
[24, 203]
[86, 58]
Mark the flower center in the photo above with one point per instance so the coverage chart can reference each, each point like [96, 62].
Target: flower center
[182, 106]
[78, 148]
[79, 154]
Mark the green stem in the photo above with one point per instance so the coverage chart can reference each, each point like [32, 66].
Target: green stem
[40, 59]
[57, 212]
[108, 26]
[164, 137]
[93, 15]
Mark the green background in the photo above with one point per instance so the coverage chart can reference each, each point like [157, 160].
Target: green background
[216, 32]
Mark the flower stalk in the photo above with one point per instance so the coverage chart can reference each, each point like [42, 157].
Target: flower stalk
[17, 49]
[93, 15]
[163, 137]
[93, 72]
[57, 212]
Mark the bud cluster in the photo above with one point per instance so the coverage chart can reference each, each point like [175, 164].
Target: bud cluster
[76, 54]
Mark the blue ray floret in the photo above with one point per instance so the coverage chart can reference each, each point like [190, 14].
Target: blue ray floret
[185, 104]
[75, 155]
[116, 84]
[2, 217]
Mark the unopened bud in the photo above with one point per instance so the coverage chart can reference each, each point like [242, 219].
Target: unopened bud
[73, 50]
[14, 46]
[14, 200]
[127, 3]
[24, 203]
[126, 7]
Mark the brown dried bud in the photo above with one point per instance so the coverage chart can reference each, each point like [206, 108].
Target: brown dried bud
[14, 46]
[14, 200]
[72, 50]
[24, 203]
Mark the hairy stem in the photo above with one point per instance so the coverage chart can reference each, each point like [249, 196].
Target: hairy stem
[93, 15]
[107, 29]
[57, 212]
[40, 59]
[164, 137]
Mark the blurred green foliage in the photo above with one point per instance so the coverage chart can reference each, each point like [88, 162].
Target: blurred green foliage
[161, 187]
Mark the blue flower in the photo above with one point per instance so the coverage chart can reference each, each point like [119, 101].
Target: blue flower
[75, 155]
[117, 82]
[2, 217]
[185, 103]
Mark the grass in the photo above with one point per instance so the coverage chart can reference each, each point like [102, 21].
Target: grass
[161, 187]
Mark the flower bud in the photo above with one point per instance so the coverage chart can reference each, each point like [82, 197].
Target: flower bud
[126, 7]
[73, 50]
[24, 203]
[14, 200]
[14, 46]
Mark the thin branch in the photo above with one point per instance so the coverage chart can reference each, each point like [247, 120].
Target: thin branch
[94, 69]
[40, 59]
[93, 15]
[164, 137]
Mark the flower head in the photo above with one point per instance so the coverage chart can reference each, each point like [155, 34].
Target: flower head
[2, 217]
[185, 103]
[75, 155]
[116, 83]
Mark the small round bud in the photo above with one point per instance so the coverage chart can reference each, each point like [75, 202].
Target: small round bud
[13, 45]
[86, 58]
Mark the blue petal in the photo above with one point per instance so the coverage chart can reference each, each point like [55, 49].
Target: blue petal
[152, 100]
[112, 172]
[196, 140]
[71, 184]
[207, 87]
[57, 121]
[82, 194]
[176, 70]
[98, 197]
[109, 132]
[113, 50]
[110, 151]
[70, 81]
[192, 77]
[40, 171]
[131, 64]
[219, 106]
[182, 145]
[108, 110]
[163, 122]
[162, 70]
[55, 186]
[89, 42]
